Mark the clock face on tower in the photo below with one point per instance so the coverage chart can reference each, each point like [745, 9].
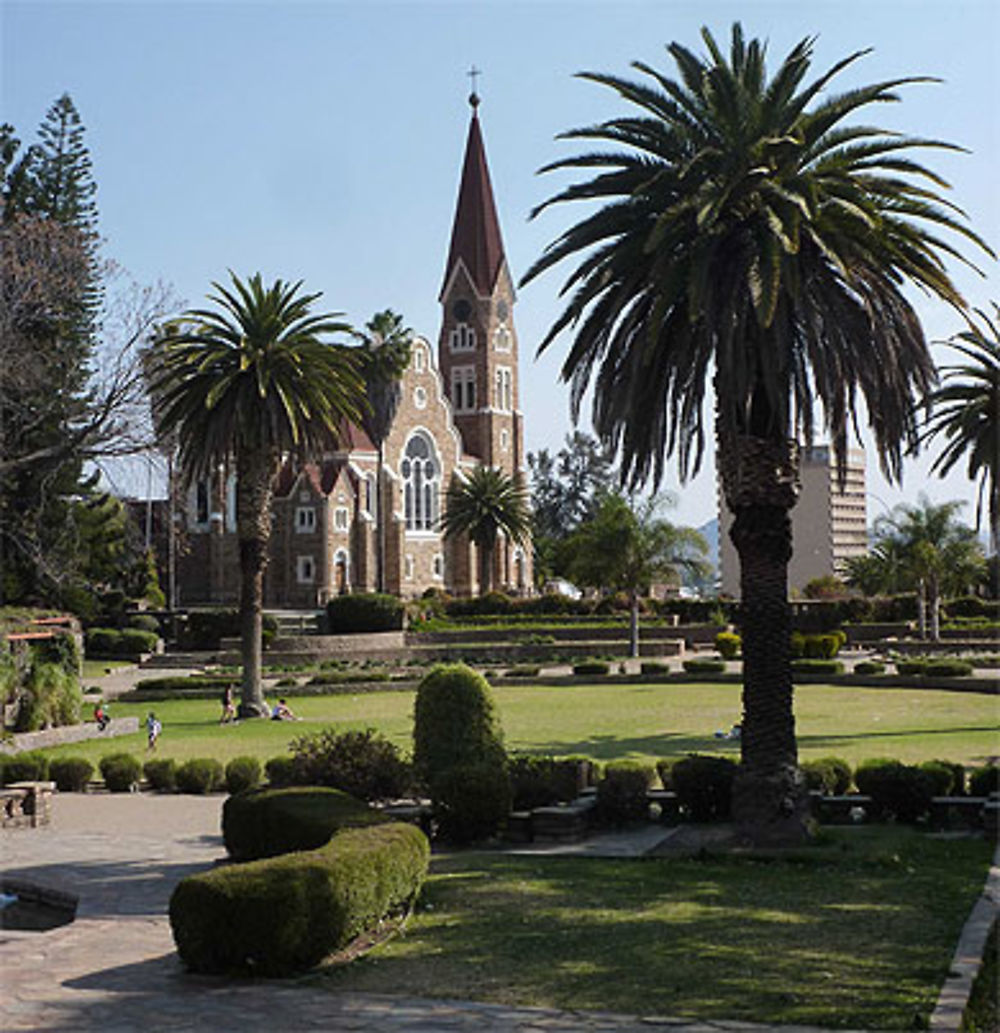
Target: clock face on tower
[461, 310]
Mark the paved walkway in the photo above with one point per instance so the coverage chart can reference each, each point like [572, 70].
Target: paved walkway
[114, 968]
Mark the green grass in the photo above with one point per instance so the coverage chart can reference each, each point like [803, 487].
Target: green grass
[98, 668]
[982, 1014]
[856, 933]
[639, 721]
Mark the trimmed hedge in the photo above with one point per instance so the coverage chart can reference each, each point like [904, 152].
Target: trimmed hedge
[523, 671]
[591, 667]
[869, 667]
[470, 802]
[205, 629]
[934, 668]
[200, 776]
[704, 665]
[728, 645]
[129, 643]
[984, 780]
[830, 775]
[542, 781]
[71, 774]
[182, 682]
[346, 677]
[121, 772]
[242, 774]
[621, 792]
[364, 612]
[897, 790]
[24, 767]
[284, 915]
[704, 786]
[266, 822]
[812, 666]
[161, 774]
[280, 772]
[653, 667]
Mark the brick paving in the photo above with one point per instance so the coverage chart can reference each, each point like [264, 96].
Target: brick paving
[114, 968]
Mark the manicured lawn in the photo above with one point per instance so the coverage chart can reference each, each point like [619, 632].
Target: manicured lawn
[857, 932]
[608, 721]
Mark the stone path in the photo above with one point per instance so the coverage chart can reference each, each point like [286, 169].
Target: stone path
[114, 969]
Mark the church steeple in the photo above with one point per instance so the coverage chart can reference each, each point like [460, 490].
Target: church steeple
[475, 235]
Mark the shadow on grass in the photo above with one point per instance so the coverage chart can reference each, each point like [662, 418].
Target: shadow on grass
[612, 747]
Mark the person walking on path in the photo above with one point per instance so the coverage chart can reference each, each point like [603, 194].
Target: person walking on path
[153, 729]
[228, 706]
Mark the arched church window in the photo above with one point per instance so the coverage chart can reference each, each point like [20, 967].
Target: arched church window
[463, 338]
[421, 478]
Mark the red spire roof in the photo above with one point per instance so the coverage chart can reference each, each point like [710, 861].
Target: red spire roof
[475, 237]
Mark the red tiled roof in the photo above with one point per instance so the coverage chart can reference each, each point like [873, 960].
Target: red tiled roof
[475, 236]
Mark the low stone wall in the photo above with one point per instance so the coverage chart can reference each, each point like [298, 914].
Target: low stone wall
[23, 741]
[378, 645]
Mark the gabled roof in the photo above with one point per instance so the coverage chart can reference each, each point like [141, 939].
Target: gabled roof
[475, 235]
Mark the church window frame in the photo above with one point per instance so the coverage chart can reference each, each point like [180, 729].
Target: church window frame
[421, 471]
[305, 570]
[463, 388]
[419, 359]
[502, 339]
[305, 519]
[462, 338]
[503, 389]
[341, 519]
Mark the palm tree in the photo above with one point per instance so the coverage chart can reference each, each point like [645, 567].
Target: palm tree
[485, 505]
[747, 229]
[935, 554]
[967, 413]
[244, 385]
[385, 355]
[625, 548]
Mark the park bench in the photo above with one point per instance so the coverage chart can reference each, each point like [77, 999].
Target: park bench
[964, 811]
[839, 810]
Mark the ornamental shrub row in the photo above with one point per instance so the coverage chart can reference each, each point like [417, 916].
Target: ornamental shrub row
[364, 612]
[704, 665]
[934, 668]
[285, 914]
[205, 629]
[363, 763]
[589, 667]
[621, 792]
[114, 643]
[537, 781]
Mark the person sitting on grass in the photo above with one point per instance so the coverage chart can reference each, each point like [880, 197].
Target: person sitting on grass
[281, 711]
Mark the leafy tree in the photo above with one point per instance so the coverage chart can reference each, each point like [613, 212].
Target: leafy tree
[879, 570]
[828, 586]
[750, 233]
[245, 384]
[967, 414]
[485, 505]
[626, 548]
[934, 555]
[385, 355]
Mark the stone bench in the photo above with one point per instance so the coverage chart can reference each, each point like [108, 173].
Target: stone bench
[964, 811]
[26, 804]
[564, 823]
[666, 800]
[839, 810]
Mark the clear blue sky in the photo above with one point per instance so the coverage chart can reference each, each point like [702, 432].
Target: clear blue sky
[323, 140]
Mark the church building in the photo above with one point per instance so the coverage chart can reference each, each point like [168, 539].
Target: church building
[458, 409]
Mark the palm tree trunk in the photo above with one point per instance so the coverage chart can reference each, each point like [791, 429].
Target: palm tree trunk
[485, 567]
[379, 524]
[633, 624]
[922, 608]
[254, 480]
[760, 480]
[934, 605]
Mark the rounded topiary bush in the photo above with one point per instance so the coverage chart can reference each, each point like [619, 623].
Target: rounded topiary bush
[621, 792]
[161, 774]
[121, 772]
[471, 802]
[984, 780]
[728, 645]
[830, 775]
[704, 786]
[455, 722]
[280, 772]
[897, 790]
[71, 774]
[364, 612]
[242, 773]
[940, 777]
[25, 767]
[200, 775]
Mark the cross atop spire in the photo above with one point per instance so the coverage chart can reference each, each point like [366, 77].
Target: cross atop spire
[473, 73]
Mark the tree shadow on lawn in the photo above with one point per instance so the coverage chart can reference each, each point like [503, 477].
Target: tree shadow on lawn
[897, 733]
[612, 747]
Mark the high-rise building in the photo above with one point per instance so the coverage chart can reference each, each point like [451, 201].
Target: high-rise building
[829, 524]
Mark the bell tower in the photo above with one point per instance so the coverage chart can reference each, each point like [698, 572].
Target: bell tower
[477, 349]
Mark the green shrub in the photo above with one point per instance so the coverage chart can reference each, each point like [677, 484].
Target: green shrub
[364, 612]
[869, 667]
[284, 915]
[984, 780]
[109, 643]
[144, 622]
[121, 772]
[61, 650]
[25, 767]
[280, 772]
[973, 606]
[704, 786]
[830, 775]
[71, 774]
[940, 777]
[541, 781]
[365, 764]
[523, 671]
[664, 769]
[470, 802]
[101, 643]
[346, 677]
[621, 792]
[947, 669]
[161, 774]
[242, 773]
[653, 667]
[728, 645]
[813, 666]
[587, 667]
[957, 787]
[455, 722]
[897, 790]
[179, 683]
[200, 775]
[205, 629]
[268, 822]
[50, 696]
[135, 641]
[704, 665]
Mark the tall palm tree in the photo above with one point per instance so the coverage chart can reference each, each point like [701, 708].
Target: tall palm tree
[242, 386]
[966, 412]
[626, 547]
[485, 505]
[385, 355]
[747, 229]
[935, 553]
